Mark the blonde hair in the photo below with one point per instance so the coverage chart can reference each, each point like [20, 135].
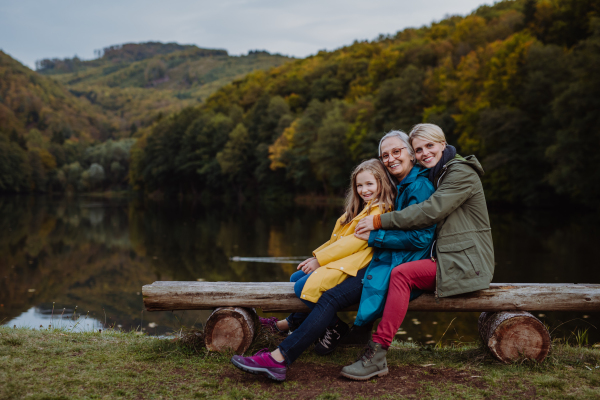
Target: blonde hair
[386, 190]
[427, 132]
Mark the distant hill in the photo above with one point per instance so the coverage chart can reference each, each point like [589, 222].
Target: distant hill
[137, 83]
[30, 101]
[70, 125]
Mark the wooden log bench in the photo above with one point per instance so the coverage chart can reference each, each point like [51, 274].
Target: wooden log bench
[505, 326]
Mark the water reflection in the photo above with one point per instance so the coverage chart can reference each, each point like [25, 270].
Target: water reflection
[70, 321]
[97, 254]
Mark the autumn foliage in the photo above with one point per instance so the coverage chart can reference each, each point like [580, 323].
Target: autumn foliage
[514, 83]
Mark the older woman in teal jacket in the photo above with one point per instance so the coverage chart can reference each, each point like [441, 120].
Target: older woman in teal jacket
[395, 247]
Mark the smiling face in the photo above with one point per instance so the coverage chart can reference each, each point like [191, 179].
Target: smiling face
[398, 165]
[428, 153]
[366, 186]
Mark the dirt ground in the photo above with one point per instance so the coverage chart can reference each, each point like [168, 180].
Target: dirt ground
[308, 380]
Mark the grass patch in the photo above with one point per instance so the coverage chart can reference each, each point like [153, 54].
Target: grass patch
[54, 364]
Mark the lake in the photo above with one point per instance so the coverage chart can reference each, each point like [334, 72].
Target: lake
[80, 263]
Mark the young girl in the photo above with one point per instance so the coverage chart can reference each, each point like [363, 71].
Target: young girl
[371, 193]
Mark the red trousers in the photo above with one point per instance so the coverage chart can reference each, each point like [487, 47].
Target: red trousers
[405, 277]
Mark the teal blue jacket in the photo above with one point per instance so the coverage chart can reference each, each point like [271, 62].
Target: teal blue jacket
[395, 247]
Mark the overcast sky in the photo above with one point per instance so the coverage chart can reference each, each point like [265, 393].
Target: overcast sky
[36, 29]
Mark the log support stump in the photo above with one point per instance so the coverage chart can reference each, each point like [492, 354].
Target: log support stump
[231, 328]
[511, 335]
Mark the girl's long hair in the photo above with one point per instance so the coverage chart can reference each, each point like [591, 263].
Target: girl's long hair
[385, 197]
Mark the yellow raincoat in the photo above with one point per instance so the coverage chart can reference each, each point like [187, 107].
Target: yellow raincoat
[339, 257]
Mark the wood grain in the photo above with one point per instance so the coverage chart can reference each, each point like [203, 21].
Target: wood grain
[512, 335]
[230, 328]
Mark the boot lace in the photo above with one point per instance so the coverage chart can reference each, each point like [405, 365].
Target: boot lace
[368, 354]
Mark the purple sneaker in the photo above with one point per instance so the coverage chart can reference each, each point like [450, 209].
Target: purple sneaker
[271, 324]
[262, 363]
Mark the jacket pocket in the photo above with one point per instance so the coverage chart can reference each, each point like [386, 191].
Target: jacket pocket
[460, 260]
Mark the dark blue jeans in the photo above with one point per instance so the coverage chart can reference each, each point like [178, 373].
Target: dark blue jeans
[296, 319]
[324, 312]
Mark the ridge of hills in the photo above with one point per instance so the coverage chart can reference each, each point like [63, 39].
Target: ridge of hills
[70, 124]
[136, 82]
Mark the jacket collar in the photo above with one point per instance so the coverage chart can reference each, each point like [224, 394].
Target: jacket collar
[412, 175]
[366, 209]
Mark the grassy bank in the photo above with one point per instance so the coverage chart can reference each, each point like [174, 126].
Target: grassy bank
[55, 364]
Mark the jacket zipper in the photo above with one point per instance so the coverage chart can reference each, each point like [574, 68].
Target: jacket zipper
[435, 293]
[444, 168]
[436, 296]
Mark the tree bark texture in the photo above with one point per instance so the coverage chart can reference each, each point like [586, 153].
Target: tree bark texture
[230, 328]
[511, 335]
[280, 297]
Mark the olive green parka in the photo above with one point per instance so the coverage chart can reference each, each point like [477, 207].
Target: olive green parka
[464, 248]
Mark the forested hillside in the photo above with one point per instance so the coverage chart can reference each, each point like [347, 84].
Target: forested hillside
[515, 83]
[43, 127]
[137, 83]
[73, 130]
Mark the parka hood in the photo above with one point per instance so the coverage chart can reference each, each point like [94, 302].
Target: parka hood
[470, 161]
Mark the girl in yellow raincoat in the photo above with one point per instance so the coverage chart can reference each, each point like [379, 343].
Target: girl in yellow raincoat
[371, 192]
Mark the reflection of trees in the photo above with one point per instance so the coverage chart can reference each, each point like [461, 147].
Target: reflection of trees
[544, 247]
[68, 259]
[97, 254]
[197, 243]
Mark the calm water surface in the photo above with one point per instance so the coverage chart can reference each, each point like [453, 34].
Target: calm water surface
[80, 263]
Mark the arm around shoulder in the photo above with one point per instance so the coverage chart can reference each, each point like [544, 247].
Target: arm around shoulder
[458, 185]
[407, 239]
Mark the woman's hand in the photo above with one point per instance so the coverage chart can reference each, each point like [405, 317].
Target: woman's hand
[363, 236]
[310, 266]
[365, 226]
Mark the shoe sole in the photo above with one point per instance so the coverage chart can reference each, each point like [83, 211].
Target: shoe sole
[257, 371]
[366, 377]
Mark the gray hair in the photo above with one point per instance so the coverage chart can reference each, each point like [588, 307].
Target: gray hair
[402, 136]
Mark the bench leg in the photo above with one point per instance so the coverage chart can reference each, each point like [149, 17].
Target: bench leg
[231, 328]
[513, 335]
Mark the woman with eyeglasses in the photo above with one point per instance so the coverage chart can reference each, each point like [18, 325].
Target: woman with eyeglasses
[462, 259]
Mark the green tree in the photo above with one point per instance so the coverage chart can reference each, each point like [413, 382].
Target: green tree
[296, 159]
[329, 154]
[196, 163]
[234, 156]
[575, 162]
[399, 102]
[14, 168]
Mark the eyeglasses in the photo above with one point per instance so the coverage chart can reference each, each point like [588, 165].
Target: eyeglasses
[385, 157]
